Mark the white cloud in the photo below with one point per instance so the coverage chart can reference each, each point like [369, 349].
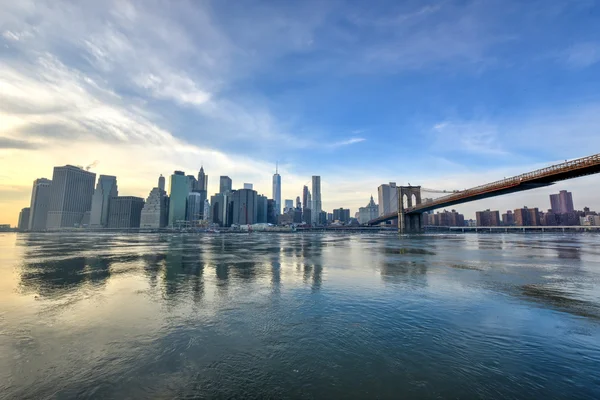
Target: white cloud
[347, 142]
[582, 55]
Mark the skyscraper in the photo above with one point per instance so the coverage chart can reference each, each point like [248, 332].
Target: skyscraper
[289, 204]
[298, 203]
[105, 190]
[248, 186]
[202, 180]
[562, 202]
[125, 212]
[277, 190]
[195, 206]
[24, 219]
[161, 182]
[261, 209]
[244, 207]
[40, 198]
[192, 183]
[388, 198]
[225, 184]
[70, 196]
[154, 213]
[305, 197]
[316, 202]
[206, 211]
[178, 197]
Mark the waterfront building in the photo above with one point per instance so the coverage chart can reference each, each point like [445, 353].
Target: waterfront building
[206, 212]
[488, 218]
[225, 184]
[244, 207]
[106, 189]
[220, 209]
[70, 196]
[202, 180]
[316, 202]
[307, 216]
[261, 209]
[194, 207]
[155, 212]
[562, 202]
[341, 214]
[527, 216]
[277, 191]
[508, 218]
[179, 190]
[289, 204]
[125, 212]
[40, 199]
[369, 212]
[388, 198]
[23, 223]
[271, 212]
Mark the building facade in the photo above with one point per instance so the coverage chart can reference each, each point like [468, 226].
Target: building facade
[161, 183]
[527, 217]
[316, 200]
[125, 212]
[70, 196]
[106, 189]
[155, 212]
[202, 180]
[261, 209]
[388, 198]
[38, 207]
[225, 184]
[194, 207]
[508, 218]
[244, 207]
[562, 202]
[341, 214]
[179, 191]
[23, 223]
[277, 191]
[488, 218]
[271, 212]
[369, 212]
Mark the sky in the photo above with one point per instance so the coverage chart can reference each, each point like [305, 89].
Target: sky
[445, 94]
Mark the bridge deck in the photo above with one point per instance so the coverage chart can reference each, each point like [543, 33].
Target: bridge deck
[530, 180]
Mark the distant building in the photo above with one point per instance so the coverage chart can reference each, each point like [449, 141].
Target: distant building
[305, 203]
[589, 220]
[24, 219]
[562, 202]
[192, 183]
[244, 207]
[221, 211]
[106, 189]
[194, 207]
[488, 218]
[369, 212]
[341, 214]
[125, 212]
[202, 180]
[298, 203]
[248, 186]
[161, 182]
[329, 218]
[40, 199]
[307, 216]
[444, 218]
[206, 213]
[225, 184]
[508, 218]
[322, 219]
[261, 209]
[155, 212]
[277, 191]
[70, 196]
[316, 202]
[179, 190]
[388, 198]
[289, 204]
[527, 217]
[271, 212]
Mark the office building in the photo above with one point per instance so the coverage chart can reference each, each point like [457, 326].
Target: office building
[562, 202]
[288, 205]
[244, 207]
[369, 212]
[194, 207]
[225, 184]
[305, 203]
[70, 196]
[329, 218]
[277, 191]
[202, 180]
[261, 209]
[341, 214]
[316, 199]
[388, 198]
[203, 197]
[488, 218]
[307, 216]
[23, 223]
[105, 190]
[125, 212]
[508, 218]
[220, 210]
[206, 212]
[179, 190]
[271, 212]
[298, 203]
[155, 212]
[161, 183]
[322, 218]
[192, 183]
[38, 207]
[248, 186]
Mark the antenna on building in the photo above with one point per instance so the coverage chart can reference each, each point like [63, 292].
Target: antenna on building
[276, 167]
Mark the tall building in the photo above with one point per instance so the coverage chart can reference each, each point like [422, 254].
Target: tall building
[305, 197]
[261, 209]
[508, 219]
[192, 183]
[155, 212]
[203, 197]
[369, 212]
[161, 183]
[388, 198]
[271, 212]
[220, 209]
[206, 212]
[527, 216]
[298, 203]
[24, 219]
[225, 184]
[341, 214]
[277, 190]
[195, 207]
[125, 212]
[105, 190]
[38, 208]
[179, 191]
[202, 180]
[248, 186]
[562, 202]
[488, 218]
[316, 201]
[289, 204]
[244, 207]
[70, 196]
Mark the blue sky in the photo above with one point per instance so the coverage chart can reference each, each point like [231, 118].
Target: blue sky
[444, 93]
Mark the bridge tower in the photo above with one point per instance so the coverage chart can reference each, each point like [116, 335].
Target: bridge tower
[409, 223]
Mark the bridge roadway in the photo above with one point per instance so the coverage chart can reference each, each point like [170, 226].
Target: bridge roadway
[530, 180]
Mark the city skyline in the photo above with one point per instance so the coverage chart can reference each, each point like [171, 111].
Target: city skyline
[451, 87]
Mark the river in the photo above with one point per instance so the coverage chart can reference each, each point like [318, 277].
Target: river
[305, 315]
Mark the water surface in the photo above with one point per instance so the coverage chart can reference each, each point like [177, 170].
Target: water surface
[300, 316]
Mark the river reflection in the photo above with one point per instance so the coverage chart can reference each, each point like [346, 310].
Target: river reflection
[299, 316]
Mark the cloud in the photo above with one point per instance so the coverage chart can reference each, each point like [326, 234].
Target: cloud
[581, 55]
[478, 138]
[347, 142]
[8, 143]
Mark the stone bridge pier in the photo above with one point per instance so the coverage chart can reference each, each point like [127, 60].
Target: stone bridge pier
[409, 196]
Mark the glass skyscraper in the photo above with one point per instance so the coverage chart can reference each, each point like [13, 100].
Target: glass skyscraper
[106, 189]
[277, 191]
[179, 190]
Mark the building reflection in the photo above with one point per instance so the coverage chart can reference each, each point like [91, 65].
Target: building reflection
[183, 272]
